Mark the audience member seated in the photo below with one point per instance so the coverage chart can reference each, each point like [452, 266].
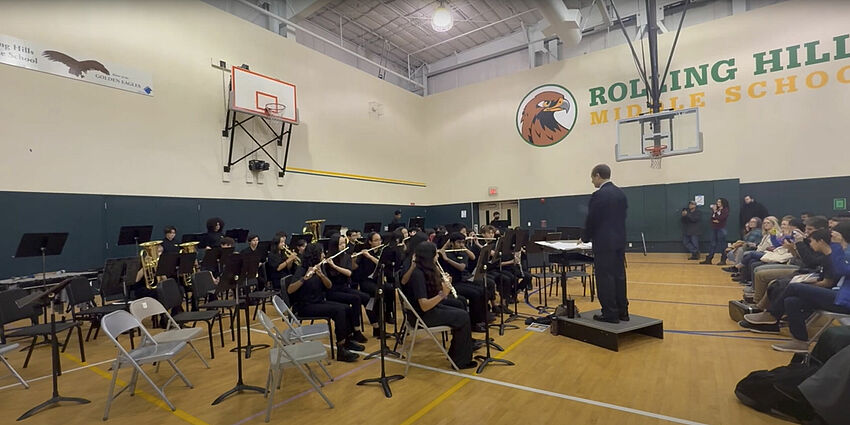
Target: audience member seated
[751, 240]
[771, 239]
[799, 300]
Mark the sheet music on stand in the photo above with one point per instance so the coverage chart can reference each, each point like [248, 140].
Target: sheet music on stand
[566, 245]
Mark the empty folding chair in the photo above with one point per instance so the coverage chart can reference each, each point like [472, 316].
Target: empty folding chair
[148, 307]
[148, 352]
[203, 287]
[414, 324]
[169, 294]
[81, 295]
[284, 354]
[5, 348]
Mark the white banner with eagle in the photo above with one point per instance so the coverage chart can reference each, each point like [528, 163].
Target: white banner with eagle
[73, 65]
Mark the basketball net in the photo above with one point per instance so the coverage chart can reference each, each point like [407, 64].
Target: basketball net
[275, 109]
[655, 155]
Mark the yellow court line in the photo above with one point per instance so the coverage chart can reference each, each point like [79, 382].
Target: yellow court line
[442, 397]
[156, 401]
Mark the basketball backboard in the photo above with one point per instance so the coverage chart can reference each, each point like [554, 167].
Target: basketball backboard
[257, 94]
[678, 130]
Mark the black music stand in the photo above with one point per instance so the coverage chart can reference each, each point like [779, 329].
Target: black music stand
[416, 222]
[381, 279]
[129, 235]
[330, 229]
[263, 249]
[247, 267]
[41, 245]
[372, 226]
[228, 279]
[167, 264]
[38, 297]
[293, 241]
[211, 260]
[487, 358]
[501, 224]
[191, 237]
[384, 380]
[238, 235]
[392, 226]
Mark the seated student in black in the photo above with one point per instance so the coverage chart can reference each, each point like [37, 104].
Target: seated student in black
[338, 270]
[425, 290]
[215, 232]
[251, 252]
[279, 265]
[169, 243]
[307, 292]
[365, 278]
[454, 263]
[500, 269]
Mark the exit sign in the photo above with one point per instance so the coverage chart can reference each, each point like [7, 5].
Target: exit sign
[839, 204]
[493, 191]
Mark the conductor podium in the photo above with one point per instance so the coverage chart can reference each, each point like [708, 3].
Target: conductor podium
[582, 326]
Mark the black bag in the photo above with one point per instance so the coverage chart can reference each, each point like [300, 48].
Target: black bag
[775, 392]
[737, 310]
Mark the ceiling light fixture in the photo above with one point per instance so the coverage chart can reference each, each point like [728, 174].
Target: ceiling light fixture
[442, 19]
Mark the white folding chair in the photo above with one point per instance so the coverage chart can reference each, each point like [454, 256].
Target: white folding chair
[5, 348]
[118, 322]
[284, 354]
[297, 330]
[822, 320]
[414, 324]
[146, 307]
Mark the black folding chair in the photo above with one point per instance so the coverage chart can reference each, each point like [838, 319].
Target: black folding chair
[170, 296]
[81, 295]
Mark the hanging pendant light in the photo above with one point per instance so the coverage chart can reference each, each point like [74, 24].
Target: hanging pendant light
[442, 20]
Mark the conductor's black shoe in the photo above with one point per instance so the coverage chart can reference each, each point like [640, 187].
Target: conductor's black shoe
[351, 345]
[359, 337]
[344, 355]
[472, 364]
[601, 318]
[479, 327]
[624, 317]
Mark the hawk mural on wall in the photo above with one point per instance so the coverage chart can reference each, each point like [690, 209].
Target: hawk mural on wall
[546, 115]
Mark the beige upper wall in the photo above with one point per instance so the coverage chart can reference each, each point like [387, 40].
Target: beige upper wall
[752, 139]
[92, 139]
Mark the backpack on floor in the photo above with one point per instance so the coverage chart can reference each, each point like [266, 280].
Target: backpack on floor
[775, 392]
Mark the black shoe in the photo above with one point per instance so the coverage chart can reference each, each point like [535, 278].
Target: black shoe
[471, 365]
[351, 345]
[693, 257]
[477, 344]
[344, 355]
[624, 317]
[601, 318]
[760, 329]
[376, 332]
[479, 327]
[706, 261]
[731, 269]
[491, 317]
[359, 337]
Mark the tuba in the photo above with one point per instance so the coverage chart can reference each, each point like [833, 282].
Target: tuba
[189, 248]
[313, 227]
[149, 259]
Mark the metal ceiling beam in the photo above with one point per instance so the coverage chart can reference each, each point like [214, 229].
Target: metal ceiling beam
[367, 29]
[303, 9]
[470, 32]
[368, 45]
[326, 40]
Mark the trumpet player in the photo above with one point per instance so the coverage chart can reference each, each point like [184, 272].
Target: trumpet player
[427, 292]
[281, 261]
[307, 292]
[455, 264]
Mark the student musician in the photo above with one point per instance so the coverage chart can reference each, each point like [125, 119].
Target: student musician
[352, 238]
[307, 292]
[500, 268]
[426, 290]
[251, 251]
[455, 263]
[366, 279]
[169, 244]
[215, 232]
[280, 264]
[339, 270]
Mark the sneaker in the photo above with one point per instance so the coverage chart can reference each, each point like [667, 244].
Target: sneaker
[359, 337]
[706, 261]
[762, 318]
[353, 346]
[731, 269]
[792, 346]
[760, 329]
[344, 355]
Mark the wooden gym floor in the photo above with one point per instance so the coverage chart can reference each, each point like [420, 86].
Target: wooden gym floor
[688, 377]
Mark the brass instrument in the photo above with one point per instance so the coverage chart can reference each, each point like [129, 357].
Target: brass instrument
[313, 227]
[447, 279]
[288, 252]
[149, 258]
[189, 248]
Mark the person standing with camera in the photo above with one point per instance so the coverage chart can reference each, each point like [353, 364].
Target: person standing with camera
[691, 218]
[719, 215]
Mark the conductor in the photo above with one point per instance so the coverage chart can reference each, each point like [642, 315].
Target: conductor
[606, 228]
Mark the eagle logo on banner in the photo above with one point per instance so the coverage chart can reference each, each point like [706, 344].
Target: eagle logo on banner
[75, 67]
[546, 115]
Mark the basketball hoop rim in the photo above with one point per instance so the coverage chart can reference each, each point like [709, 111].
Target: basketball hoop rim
[274, 108]
[655, 151]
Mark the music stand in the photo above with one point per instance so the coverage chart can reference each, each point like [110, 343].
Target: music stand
[501, 224]
[570, 233]
[191, 237]
[238, 235]
[228, 280]
[167, 264]
[325, 242]
[129, 235]
[211, 259]
[416, 222]
[113, 281]
[384, 380]
[487, 358]
[372, 226]
[41, 244]
[38, 297]
[393, 226]
[293, 241]
[263, 249]
[330, 229]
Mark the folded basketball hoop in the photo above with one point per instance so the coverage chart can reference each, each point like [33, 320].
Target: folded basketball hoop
[655, 155]
[275, 109]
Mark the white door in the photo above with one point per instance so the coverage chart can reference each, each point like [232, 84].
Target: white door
[508, 210]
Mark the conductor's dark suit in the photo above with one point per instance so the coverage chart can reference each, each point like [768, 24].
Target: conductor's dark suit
[606, 228]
